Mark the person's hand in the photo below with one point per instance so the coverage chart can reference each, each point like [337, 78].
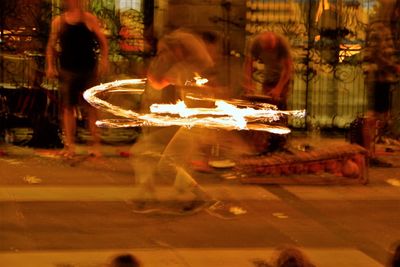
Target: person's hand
[275, 94]
[157, 84]
[248, 90]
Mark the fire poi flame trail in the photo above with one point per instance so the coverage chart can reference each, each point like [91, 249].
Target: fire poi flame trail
[225, 115]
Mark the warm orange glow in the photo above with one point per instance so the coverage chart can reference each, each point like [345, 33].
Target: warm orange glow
[348, 50]
[197, 81]
[223, 115]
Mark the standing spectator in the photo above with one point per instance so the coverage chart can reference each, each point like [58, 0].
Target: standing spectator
[382, 72]
[78, 34]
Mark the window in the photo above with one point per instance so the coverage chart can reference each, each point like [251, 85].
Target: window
[129, 4]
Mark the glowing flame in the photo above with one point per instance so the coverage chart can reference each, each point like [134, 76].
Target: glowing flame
[198, 81]
[223, 116]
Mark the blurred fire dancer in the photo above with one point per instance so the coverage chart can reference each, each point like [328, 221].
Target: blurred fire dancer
[78, 35]
[268, 72]
[164, 152]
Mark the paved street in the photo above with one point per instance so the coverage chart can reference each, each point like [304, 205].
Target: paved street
[55, 214]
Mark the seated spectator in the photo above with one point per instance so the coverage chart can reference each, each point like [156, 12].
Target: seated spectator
[394, 260]
[125, 260]
[289, 256]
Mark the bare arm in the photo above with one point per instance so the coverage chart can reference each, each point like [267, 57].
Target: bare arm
[286, 74]
[51, 70]
[158, 84]
[94, 25]
[248, 84]
[284, 79]
[159, 67]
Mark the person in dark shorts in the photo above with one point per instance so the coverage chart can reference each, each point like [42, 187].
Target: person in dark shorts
[71, 56]
[268, 73]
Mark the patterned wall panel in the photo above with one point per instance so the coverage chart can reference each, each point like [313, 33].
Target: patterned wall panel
[328, 38]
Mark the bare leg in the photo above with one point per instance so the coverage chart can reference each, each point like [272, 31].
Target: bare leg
[146, 152]
[69, 123]
[184, 146]
[94, 131]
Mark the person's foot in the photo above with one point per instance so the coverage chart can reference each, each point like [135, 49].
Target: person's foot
[185, 208]
[195, 206]
[67, 153]
[220, 210]
[95, 152]
[146, 207]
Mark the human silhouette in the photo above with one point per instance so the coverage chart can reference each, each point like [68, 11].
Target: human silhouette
[74, 37]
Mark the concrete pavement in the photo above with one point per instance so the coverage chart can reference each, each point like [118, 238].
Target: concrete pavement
[53, 214]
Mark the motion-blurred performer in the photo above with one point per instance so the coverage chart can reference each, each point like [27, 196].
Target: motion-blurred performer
[162, 154]
[382, 72]
[78, 34]
[268, 72]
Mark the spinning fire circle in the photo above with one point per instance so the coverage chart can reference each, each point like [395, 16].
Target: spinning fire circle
[228, 115]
